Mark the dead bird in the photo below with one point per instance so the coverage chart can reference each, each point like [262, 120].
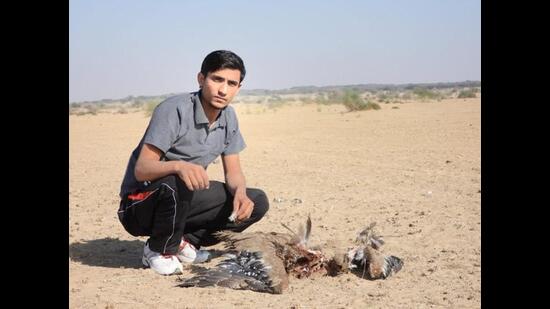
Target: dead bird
[263, 262]
[366, 257]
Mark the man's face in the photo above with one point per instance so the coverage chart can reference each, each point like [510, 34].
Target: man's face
[219, 87]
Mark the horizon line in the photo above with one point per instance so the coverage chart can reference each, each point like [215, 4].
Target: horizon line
[290, 88]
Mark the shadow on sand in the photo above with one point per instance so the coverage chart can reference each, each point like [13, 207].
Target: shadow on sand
[114, 253]
[108, 252]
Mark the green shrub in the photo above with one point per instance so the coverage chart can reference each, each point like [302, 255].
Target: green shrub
[150, 107]
[425, 94]
[307, 100]
[468, 93]
[383, 97]
[406, 96]
[137, 104]
[91, 109]
[353, 102]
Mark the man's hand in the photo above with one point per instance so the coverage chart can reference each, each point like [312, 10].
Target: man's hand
[149, 167]
[234, 179]
[242, 206]
[194, 176]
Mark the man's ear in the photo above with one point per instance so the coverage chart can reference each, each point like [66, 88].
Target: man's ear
[200, 79]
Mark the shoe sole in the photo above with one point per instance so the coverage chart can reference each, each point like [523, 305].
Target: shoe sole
[178, 271]
[185, 259]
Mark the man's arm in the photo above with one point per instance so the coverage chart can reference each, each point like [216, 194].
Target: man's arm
[236, 183]
[149, 167]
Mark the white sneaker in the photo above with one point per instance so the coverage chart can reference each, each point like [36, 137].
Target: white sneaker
[161, 263]
[187, 253]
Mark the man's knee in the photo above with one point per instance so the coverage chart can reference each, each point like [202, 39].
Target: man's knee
[171, 184]
[168, 182]
[261, 203]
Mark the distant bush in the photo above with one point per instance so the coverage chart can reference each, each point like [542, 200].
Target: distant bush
[329, 98]
[333, 96]
[468, 93]
[307, 100]
[275, 104]
[150, 107]
[423, 93]
[137, 104]
[406, 96]
[85, 110]
[383, 97]
[91, 109]
[274, 99]
[321, 99]
[353, 102]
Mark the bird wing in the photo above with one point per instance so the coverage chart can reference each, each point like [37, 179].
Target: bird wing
[255, 266]
[366, 258]
[243, 271]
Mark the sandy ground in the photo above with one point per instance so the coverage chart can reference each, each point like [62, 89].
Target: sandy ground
[414, 169]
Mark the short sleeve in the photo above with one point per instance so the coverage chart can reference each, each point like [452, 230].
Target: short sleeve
[236, 144]
[234, 141]
[164, 126]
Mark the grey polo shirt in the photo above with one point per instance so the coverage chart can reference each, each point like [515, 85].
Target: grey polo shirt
[179, 128]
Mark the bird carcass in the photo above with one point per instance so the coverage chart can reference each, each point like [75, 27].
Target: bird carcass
[263, 261]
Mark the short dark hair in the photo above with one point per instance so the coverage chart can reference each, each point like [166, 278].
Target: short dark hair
[222, 59]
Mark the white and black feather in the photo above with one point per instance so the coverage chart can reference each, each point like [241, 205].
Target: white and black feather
[242, 271]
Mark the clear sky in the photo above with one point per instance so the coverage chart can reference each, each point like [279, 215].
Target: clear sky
[136, 47]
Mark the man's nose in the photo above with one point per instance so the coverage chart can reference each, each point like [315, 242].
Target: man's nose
[223, 89]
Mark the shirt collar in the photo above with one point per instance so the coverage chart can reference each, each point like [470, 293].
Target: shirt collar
[200, 116]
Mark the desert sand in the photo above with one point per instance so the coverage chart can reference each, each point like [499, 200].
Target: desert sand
[414, 168]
